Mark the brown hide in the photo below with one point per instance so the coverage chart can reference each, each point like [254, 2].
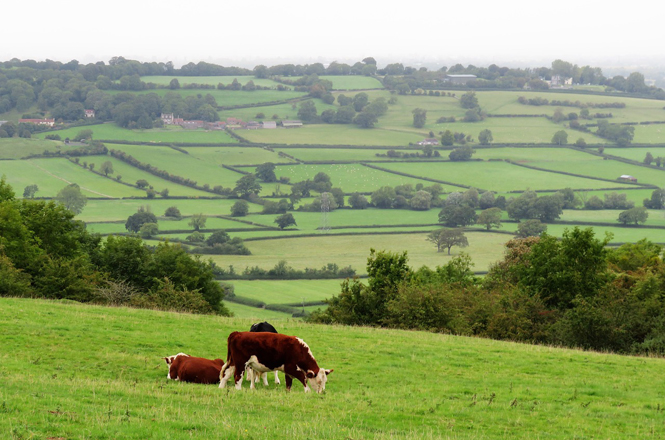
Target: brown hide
[196, 369]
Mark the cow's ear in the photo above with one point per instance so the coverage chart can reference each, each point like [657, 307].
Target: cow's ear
[310, 374]
[167, 361]
[329, 371]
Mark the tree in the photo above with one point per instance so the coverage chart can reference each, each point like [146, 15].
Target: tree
[148, 230]
[560, 138]
[358, 201]
[135, 221]
[71, 197]
[83, 135]
[198, 221]
[490, 218]
[365, 119]
[142, 183]
[307, 111]
[447, 138]
[648, 158]
[164, 193]
[266, 172]
[530, 228]
[383, 197]
[360, 101]
[469, 100]
[580, 143]
[657, 200]
[29, 191]
[174, 84]
[447, 238]
[217, 237]
[246, 186]
[457, 215]
[419, 117]
[345, 115]
[106, 168]
[421, 201]
[172, 211]
[461, 154]
[634, 215]
[285, 220]
[485, 137]
[240, 208]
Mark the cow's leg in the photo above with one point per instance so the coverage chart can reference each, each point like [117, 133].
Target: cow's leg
[293, 370]
[238, 377]
[289, 382]
[226, 375]
[277, 382]
[264, 376]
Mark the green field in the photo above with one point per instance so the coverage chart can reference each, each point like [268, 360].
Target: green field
[18, 148]
[353, 250]
[637, 154]
[169, 134]
[334, 134]
[650, 134]
[344, 154]
[73, 371]
[236, 155]
[228, 98]
[353, 82]
[286, 292]
[497, 176]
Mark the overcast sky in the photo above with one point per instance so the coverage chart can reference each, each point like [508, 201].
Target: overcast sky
[479, 31]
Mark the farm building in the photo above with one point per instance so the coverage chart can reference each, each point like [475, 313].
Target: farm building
[459, 79]
[560, 81]
[49, 122]
[167, 118]
[429, 141]
[253, 125]
[291, 124]
[89, 113]
[193, 124]
[628, 178]
[269, 124]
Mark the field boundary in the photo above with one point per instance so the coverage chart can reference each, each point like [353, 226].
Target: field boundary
[416, 177]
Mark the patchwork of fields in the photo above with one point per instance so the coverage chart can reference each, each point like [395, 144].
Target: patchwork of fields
[356, 160]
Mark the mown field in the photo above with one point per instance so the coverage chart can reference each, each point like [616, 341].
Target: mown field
[73, 371]
[169, 134]
[209, 80]
[228, 98]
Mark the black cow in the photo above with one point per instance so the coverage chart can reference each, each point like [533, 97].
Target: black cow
[255, 328]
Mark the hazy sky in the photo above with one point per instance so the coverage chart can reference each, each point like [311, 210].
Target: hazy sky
[509, 31]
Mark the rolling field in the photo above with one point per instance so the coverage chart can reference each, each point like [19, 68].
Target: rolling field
[334, 134]
[650, 134]
[353, 82]
[286, 292]
[236, 155]
[170, 134]
[637, 154]
[349, 177]
[353, 250]
[283, 111]
[73, 371]
[343, 154]
[19, 148]
[228, 97]
[497, 176]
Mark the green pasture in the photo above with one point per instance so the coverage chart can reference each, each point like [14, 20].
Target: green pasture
[115, 210]
[228, 98]
[283, 111]
[344, 154]
[167, 224]
[76, 371]
[174, 134]
[637, 154]
[619, 235]
[132, 174]
[339, 231]
[18, 148]
[353, 250]
[349, 177]
[236, 155]
[255, 313]
[286, 291]
[497, 176]
[650, 134]
[208, 80]
[199, 169]
[14, 115]
[533, 154]
[334, 134]
[51, 175]
[595, 166]
[656, 217]
[352, 82]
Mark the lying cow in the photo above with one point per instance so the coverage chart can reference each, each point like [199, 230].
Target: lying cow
[249, 373]
[186, 368]
[269, 352]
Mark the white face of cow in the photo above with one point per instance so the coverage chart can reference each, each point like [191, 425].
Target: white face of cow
[318, 381]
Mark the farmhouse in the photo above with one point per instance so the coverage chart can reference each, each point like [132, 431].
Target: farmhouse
[291, 124]
[459, 79]
[560, 81]
[192, 124]
[253, 125]
[49, 122]
[167, 118]
[429, 141]
[89, 113]
[628, 178]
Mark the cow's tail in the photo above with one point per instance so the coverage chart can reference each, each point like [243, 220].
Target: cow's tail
[229, 360]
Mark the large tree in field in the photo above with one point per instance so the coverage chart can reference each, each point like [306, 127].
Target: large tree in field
[266, 172]
[560, 138]
[71, 197]
[136, 221]
[490, 218]
[469, 100]
[106, 168]
[285, 220]
[447, 238]
[247, 185]
[198, 221]
[419, 117]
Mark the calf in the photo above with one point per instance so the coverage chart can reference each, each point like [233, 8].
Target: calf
[249, 373]
[187, 368]
[272, 351]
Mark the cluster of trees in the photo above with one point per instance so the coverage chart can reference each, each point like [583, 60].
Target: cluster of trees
[428, 151]
[218, 243]
[357, 110]
[282, 271]
[538, 101]
[365, 67]
[621, 134]
[45, 253]
[611, 200]
[573, 292]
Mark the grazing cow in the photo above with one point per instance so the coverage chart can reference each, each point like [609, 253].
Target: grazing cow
[186, 368]
[249, 373]
[264, 352]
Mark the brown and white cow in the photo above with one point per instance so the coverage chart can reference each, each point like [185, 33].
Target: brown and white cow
[265, 352]
[249, 373]
[186, 368]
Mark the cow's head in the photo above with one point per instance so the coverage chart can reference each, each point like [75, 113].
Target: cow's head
[169, 361]
[318, 380]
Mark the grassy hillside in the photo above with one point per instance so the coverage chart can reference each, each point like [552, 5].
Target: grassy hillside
[72, 371]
